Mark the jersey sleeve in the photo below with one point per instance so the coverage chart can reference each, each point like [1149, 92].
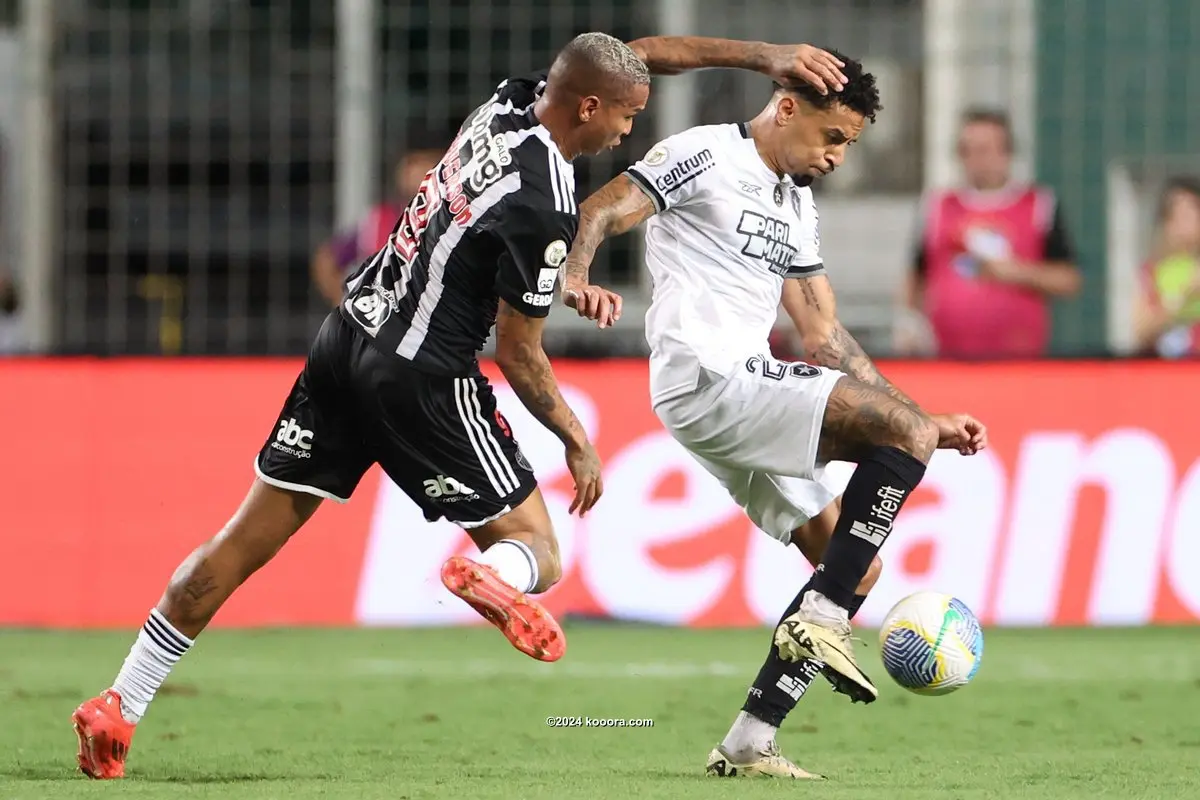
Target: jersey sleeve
[534, 245]
[808, 263]
[1058, 245]
[670, 173]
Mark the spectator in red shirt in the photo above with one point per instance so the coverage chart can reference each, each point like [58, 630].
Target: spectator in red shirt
[342, 254]
[989, 257]
[1167, 314]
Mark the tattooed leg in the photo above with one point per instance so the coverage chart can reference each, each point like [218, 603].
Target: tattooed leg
[860, 417]
[204, 581]
[266, 520]
[891, 441]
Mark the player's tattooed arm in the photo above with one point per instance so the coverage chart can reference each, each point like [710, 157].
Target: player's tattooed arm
[524, 363]
[811, 304]
[526, 367]
[616, 208]
[672, 55]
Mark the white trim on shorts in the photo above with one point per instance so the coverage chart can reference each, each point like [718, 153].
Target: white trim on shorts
[480, 523]
[296, 487]
[491, 456]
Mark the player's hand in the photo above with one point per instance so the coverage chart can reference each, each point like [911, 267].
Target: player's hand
[584, 464]
[788, 63]
[960, 432]
[594, 302]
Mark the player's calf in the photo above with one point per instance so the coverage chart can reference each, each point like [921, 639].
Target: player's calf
[521, 546]
[266, 520]
[781, 683]
[891, 441]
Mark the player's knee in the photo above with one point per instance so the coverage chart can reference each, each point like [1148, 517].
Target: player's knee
[868, 582]
[545, 552]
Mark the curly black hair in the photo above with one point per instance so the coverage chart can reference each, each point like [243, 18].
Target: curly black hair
[860, 93]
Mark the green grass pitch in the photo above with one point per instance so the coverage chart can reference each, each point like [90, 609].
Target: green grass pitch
[406, 714]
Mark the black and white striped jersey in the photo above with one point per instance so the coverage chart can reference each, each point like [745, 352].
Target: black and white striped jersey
[493, 220]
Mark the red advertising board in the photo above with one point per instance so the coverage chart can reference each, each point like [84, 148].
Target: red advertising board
[1084, 510]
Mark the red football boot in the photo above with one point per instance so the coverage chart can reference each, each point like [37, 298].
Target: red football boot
[522, 619]
[104, 736]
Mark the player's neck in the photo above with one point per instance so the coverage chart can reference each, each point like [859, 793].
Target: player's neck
[759, 127]
[558, 125]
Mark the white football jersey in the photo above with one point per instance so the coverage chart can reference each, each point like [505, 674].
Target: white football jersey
[726, 234]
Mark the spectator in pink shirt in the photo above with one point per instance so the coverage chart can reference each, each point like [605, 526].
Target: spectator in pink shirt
[989, 257]
[341, 255]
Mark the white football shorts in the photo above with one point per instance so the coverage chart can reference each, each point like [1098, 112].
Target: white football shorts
[756, 427]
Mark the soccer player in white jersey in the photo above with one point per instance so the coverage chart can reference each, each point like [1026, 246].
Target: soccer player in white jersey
[732, 233]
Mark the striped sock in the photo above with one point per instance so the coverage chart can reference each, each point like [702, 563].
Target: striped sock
[157, 649]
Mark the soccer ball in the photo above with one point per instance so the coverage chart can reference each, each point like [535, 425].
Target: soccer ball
[931, 643]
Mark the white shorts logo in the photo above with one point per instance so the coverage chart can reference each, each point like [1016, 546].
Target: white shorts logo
[448, 490]
[291, 434]
[293, 439]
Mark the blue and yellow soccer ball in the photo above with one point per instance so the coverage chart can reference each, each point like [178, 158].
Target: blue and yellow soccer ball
[931, 643]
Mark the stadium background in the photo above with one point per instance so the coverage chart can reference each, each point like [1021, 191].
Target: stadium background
[169, 167]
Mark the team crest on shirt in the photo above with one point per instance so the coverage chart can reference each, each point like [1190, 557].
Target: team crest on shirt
[370, 309]
[656, 156]
[779, 195]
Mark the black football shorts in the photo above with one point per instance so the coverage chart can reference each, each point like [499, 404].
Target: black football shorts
[440, 439]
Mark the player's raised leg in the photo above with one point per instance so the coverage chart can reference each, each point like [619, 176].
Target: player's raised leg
[519, 558]
[521, 538]
[891, 442]
[265, 521]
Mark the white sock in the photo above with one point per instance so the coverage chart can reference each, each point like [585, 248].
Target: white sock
[819, 608]
[748, 737]
[514, 562]
[158, 647]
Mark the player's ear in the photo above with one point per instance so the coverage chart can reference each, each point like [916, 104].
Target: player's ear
[588, 108]
[785, 109]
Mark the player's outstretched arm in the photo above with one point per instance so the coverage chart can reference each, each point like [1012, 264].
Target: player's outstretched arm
[671, 55]
[616, 208]
[526, 367]
[811, 304]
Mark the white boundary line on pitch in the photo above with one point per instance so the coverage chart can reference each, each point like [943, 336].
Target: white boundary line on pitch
[1162, 668]
[487, 668]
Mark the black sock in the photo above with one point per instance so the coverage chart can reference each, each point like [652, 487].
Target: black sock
[780, 684]
[873, 498]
